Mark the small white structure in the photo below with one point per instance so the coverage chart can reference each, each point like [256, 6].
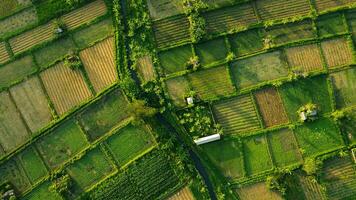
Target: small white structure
[303, 116]
[207, 139]
[190, 100]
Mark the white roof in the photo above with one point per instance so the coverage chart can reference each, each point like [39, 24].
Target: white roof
[207, 139]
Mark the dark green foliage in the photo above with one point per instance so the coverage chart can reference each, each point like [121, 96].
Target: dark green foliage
[73, 62]
[140, 111]
[197, 27]
[62, 185]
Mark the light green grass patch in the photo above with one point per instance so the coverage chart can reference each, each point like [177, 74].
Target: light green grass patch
[178, 88]
[165, 8]
[227, 155]
[212, 51]
[256, 154]
[32, 164]
[284, 147]
[310, 90]
[316, 137]
[61, 144]
[219, 3]
[129, 142]
[176, 59]
[88, 36]
[331, 24]
[42, 192]
[257, 69]
[247, 42]
[344, 87]
[12, 171]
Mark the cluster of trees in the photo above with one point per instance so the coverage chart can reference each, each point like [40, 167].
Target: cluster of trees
[197, 23]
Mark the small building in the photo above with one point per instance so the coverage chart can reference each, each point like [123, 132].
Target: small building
[207, 139]
[303, 116]
[190, 100]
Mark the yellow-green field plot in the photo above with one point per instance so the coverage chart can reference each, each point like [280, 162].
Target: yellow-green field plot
[84, 14]
[258, 191]
[16, 71]
[31, 38]
[11, 171]
[279, 9]
[42, 192]
[344, 87]
[305, 58]
[337, 52]
[13, 132]
[65, 87]
[31, 101]
[178, 88]
[312, 189]
[324, 5]
[8, 7]
[164, 8]
[4, 55]
[18, 21]
[99, 63]
[183, 194]
[146, 69]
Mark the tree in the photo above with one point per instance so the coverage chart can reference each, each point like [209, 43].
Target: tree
[140, 111]
[311, 166]
[62, 185]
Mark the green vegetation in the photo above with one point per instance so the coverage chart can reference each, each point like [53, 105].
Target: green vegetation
[12, 172]
[176, 59]
[329, 25]
[212, 51]
[178, 88]
[344, 87]
[42, 192]
[32, 164]
[247, 42]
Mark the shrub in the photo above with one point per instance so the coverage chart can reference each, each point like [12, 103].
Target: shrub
[73, 61]
[62, 185]
[311, 166]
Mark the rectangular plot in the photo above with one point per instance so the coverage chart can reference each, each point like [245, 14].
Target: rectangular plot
[42, 192]
[312, 189]
[99, 63]
[212, 83]
[176, 59]
[32, 103]
[324, 5]
[257, 69]
[129, 142]
[65, 87]
[177, 89]
[279, 9]
[344, 87]
[164, 8]
[247, 42]
[305, 58]
[13, 132]
[351, 22]
[330, 24]
[145, 68]
[212, 51]
[63, 143]
[271, 107]
[258, 191]
[103, 115]
[16, 71]
[337, 52]
[4, 55]
[12, 172]
[183, 194]
[32, 164]
[237, 115]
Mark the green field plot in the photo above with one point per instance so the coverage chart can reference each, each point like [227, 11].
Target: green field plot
[351, 21]
[146, 69]
[279, 9]
[324, 5]
[32, 164]
[284, 147]
[61, 144]
[291, 32]
[16, 71]
[129, 142]
[337, 52]
[257, 69]
[237, 115]
[12, 172]
[257, 158]
[13, 132]
[230, 18]
[349, 127]
[8, 7]
[54, 51]
[99, 31]
[176, 59]
[339, 176]
[316, 137]
[102, 116]
[219, 3]
[344, 87]
[90, 169]
[42, 192]
[247, 42]
[258, 191]
[300, 93]
[164, 8]
[177, 89]
[227, 155]
[170, 31]
[212, 51]
[331, 24]
[212, 83]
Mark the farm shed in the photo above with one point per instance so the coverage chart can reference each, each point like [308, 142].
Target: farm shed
[207, 139]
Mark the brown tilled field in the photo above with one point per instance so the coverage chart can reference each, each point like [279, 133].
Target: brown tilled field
[323, 5]
[99, 63]
[145, 68]
[4, 56]
[65, 87]
[337, 52]
[257, 191]
[306, 58]
[184, 194]
[271, 107]
[31, 100]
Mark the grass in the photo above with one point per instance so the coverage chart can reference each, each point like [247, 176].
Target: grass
[331, 24]
[310, 90]
[219, 3]
[212, 51]
[164, 8]
[32, 164]
[103, 115]
[54, 51]
[247, 42]
[90, 169]
[319, 136]
[145, 69]
[11, 171]
[257, 69]
[89, 35]
[178, 88]
[349, 127]
[61, 144]
[176, 59]
[227, 155]
[284, 148]
[42, 192]
[344, 87]
[129, 142]
[257, 158]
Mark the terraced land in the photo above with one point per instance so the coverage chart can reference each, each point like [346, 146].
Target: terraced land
[99, 63]
[237, 115]
[279, 9]
[184, 194]
[344, 87]
[65, 87]
[212, 83]
[229, 18]
[174, 30]
[306, 58]
[257, 191]
[4, 55]
[337, 52]
[324, 5]
[177, 89]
